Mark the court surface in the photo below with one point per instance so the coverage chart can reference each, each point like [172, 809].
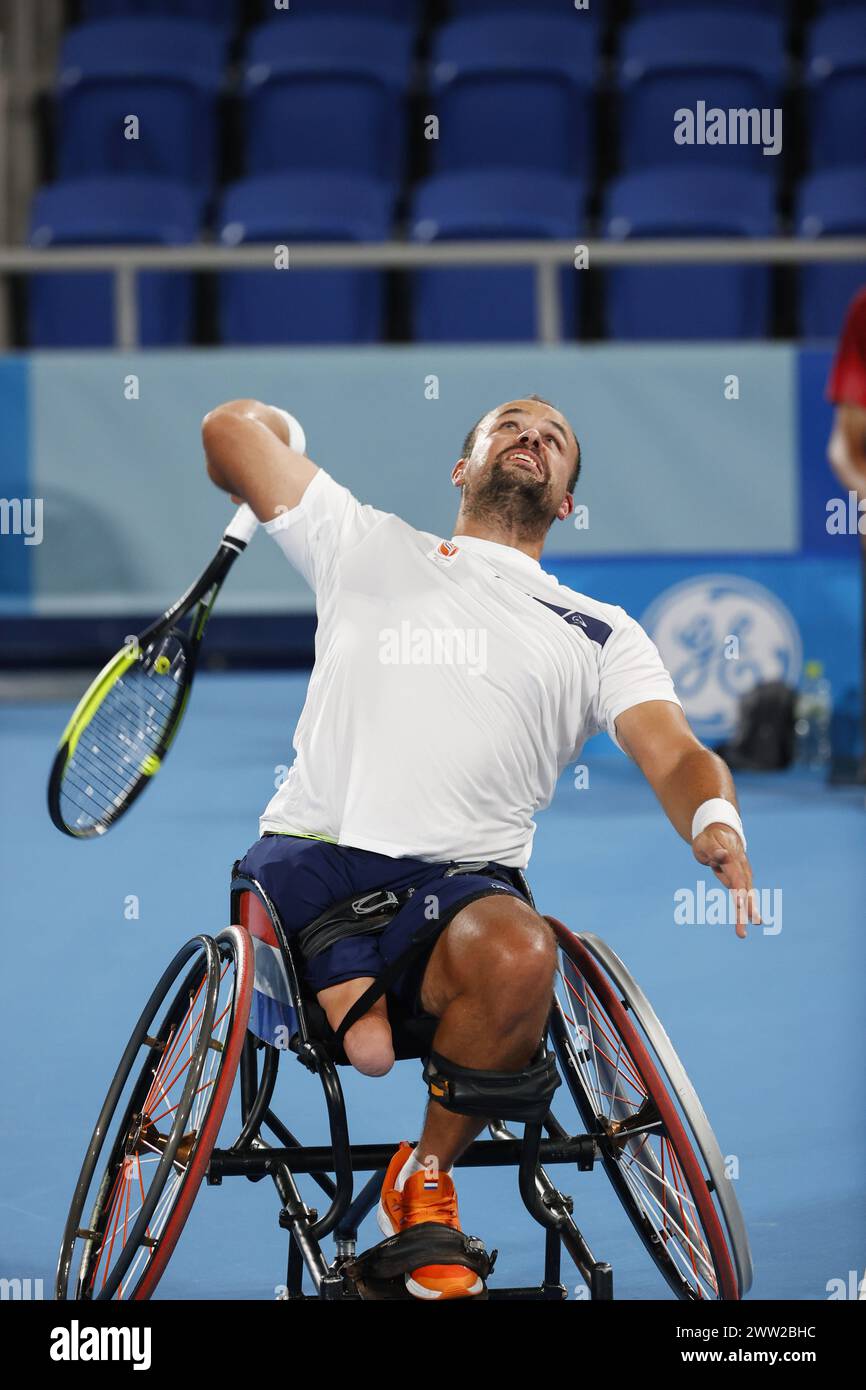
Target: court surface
[771, 1030]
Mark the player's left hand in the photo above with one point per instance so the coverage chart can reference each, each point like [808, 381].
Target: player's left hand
[722, 849]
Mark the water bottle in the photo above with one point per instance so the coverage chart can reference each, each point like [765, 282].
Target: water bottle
[813, 714]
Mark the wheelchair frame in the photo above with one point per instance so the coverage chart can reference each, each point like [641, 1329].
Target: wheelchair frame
[250, 1156]
[623, 1075]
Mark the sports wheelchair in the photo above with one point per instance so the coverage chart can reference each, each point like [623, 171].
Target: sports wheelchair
[161, 1119]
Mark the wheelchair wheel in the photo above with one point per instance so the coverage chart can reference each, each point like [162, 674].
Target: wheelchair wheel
[160, 1121]
[655, 1141]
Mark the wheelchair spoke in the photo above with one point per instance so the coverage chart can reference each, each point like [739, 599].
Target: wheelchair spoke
[613, 1094]
[610, 1091]
[605, 1028]
[154, 1119]
[172, 1059]
[177, 1075]
[155, 1229]
[645, 1182]
[676, 1238]
[666, 1184]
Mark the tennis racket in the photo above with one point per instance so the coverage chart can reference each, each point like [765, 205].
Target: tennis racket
[125, 723]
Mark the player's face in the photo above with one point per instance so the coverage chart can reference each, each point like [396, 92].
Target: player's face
[527, 449]
[531, 436]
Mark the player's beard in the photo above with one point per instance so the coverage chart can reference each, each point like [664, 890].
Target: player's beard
[510, 498]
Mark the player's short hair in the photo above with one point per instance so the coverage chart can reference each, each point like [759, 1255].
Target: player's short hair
[469, 441]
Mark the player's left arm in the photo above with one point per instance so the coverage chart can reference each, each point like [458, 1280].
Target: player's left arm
[684, 774]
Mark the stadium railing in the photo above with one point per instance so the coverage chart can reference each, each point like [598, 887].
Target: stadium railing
[547, 257]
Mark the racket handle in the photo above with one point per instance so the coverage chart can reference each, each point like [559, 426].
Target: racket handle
[242, 526]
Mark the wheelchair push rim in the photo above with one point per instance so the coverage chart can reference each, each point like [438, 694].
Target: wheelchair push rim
[633, 1093]
[160, 1146]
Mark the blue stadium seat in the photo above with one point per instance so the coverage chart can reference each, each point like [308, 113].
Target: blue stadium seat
[303, 306]
[465, 8]
[327, 94]
[77, 310]
[165, 72]
[830, 204]
[835, 61]
[491, 304]
[515, 91]
[779, 8]
[688, 302]
[400, 11]
[224, 12]
[674, 61]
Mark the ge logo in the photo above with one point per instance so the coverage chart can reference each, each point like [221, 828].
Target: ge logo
[692, 625]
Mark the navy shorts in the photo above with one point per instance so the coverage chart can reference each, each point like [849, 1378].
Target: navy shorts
[304, 877]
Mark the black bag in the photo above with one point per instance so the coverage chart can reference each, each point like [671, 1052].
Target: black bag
[763, 740]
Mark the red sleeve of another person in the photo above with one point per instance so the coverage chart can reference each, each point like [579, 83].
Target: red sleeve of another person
[846, 384]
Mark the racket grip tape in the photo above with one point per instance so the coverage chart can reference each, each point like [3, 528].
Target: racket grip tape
[242, 526]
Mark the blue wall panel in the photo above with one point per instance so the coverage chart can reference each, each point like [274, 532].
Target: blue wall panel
[670, 464]
[801, 608]
[682, 483]
[15, 557]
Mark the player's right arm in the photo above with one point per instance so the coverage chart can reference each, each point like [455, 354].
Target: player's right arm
[246, 444]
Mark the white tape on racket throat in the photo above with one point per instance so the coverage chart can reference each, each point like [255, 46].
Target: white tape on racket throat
[242, 526]
[717, 811]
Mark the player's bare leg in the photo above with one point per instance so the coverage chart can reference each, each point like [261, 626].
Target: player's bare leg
[490, 982]
[368, 1043]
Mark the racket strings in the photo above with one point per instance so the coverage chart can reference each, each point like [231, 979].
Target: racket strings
[129, 727]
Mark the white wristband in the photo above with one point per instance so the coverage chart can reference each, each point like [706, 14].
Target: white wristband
[717, 811]
[297, 438]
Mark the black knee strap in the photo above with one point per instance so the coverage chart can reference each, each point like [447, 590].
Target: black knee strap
[494, 1095]
[429, 1243]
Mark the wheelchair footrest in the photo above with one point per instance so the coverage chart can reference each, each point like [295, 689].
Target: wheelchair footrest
[379, 1273]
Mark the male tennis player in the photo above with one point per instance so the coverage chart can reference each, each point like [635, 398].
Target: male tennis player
[453, 682]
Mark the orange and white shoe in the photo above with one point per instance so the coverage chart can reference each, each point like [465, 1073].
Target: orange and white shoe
[389, 1217]
[425, 1199]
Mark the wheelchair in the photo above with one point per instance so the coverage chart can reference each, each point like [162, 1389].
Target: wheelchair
[156, 1136]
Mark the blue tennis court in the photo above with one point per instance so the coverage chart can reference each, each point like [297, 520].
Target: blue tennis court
[769, 1029]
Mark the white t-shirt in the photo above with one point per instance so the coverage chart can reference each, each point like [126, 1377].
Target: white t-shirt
[453, 682]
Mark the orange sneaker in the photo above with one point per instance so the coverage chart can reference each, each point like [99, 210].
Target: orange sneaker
[389, 1217]
[423, 1199]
